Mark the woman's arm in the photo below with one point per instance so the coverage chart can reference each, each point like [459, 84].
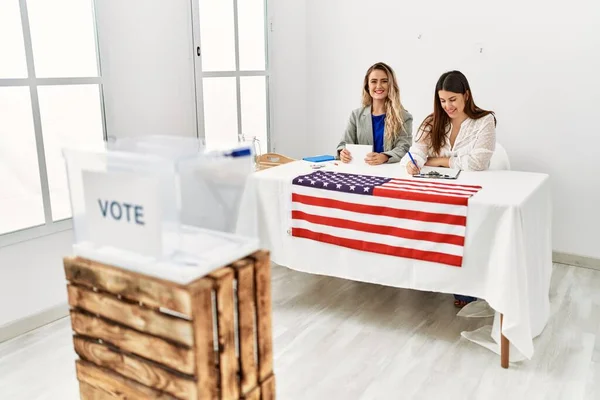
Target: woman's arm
[350, 134]
[478, 159]
[403, 141]
[419, 149]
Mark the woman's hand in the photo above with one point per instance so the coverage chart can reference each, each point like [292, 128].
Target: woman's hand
[345, 156]
[376, 158]
[412, 169]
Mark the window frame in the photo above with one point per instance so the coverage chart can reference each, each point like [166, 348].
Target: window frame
[199, 74]
[32, 82]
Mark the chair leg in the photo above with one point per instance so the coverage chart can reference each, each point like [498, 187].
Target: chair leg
[504, 346]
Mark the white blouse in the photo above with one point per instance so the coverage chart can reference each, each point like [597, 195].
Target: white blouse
[473, 147]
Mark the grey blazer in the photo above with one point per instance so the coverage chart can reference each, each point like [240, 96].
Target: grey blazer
[360, 131]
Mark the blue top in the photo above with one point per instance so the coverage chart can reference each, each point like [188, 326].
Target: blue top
[378, 131]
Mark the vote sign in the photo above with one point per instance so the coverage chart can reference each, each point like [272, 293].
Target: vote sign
[123, 210]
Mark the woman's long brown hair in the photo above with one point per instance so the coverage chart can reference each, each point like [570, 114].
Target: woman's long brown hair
[438, 122]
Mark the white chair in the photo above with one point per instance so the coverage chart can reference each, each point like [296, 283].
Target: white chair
[499, 160]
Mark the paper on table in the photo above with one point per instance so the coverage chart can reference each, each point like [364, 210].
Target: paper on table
[359, 152]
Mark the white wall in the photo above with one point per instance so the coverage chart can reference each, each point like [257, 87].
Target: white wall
[538, 71]
[32, 278]
[146, 53]
[288, 63]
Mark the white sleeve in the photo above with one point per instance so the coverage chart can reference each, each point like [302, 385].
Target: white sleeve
[478, 159]
[419, 149]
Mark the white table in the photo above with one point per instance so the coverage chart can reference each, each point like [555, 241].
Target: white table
[507, 254]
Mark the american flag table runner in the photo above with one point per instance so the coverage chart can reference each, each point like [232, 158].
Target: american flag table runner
[423, 220]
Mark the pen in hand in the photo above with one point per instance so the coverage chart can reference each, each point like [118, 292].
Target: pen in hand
[414, 162]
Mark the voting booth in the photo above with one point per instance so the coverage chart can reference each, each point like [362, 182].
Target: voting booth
[166, 300]
[157, 203]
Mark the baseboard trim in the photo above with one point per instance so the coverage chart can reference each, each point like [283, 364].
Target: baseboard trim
[575, 260]
[24, 325]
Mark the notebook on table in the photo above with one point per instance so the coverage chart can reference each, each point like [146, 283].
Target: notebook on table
[319, 158]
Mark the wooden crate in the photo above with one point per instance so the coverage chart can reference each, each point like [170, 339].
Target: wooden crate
[140, 337]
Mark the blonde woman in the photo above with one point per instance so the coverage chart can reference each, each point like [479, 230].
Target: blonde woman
[381, 122]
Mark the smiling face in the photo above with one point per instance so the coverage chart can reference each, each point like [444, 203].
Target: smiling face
[378, 84]
[452, 103]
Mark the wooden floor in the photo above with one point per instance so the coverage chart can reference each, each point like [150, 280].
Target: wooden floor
[337, 339]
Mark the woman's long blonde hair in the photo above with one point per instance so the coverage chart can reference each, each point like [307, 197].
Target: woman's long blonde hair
[393, 106]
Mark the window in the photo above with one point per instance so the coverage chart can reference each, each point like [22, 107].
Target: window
[50, 98]
[232, 75]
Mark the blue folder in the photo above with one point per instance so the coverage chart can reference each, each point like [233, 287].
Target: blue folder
[319, 158]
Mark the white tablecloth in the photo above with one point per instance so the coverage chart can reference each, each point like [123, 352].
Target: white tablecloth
[507, 256]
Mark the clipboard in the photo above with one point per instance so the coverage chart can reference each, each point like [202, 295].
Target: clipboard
[438, 173]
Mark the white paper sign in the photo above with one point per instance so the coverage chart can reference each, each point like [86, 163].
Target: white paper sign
[123, 210]
[359, 152]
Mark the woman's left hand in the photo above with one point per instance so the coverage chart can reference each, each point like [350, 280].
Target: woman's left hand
[376, 158]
